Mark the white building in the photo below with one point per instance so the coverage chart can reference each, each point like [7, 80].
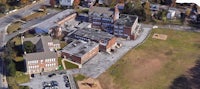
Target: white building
[189, 1]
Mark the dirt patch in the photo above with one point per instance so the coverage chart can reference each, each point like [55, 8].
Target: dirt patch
[107, 82]
[160, 36]
[143, 70]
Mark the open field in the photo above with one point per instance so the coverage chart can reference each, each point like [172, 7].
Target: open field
[156, 63]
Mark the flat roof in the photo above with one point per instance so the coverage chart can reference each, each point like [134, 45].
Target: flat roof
[79, 48]
[126, 20]
[101, 11]
[94, 34]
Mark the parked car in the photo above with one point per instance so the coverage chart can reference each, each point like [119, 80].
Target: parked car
[50, 75]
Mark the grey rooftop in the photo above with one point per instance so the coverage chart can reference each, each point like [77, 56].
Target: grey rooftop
[126, 20]
[79, 48]
[40, 55]
[41, 42]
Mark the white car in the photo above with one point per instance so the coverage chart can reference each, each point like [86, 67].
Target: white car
[155, 27]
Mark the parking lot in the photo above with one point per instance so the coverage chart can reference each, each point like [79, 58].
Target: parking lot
[49, 81]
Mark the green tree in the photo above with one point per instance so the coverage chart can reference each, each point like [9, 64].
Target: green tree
[135, 9]
[2, 8]
[29, 47]
[8, 57]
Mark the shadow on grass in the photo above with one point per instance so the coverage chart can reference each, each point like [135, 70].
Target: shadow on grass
[190, 81]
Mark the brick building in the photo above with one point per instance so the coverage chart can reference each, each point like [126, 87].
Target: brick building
[79, 52]
[103, 18]
[106, 41]
[45, 58]
[127, 27]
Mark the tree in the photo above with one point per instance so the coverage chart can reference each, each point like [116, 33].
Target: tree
[29, 47]
[147, 11]
[135, 9]
[8, 56]
[2, 8]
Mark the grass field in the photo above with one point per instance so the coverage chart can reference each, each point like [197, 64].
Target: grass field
[69, 65]
[79, 77]
[60, 63]
[14, 27]
[156, 63]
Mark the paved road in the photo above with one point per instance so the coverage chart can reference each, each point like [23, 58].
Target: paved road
[102, 61]
[12, 17]
[176, 27]
[45, 23]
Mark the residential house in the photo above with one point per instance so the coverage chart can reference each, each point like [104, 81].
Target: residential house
[79, 52]
[127, 27]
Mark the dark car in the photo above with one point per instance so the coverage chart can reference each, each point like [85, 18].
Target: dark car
[50, 75]
[62, 73]
[65, 78]
[67, 85]
[54, 83]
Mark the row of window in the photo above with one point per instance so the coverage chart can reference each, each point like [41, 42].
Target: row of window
[50, 60]
[33, 67]
[33, 62]
[50, 65]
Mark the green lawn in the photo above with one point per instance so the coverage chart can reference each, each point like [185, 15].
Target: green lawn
[60, 63]
[69, 65]
[14, 27]
[79, 77]
[154, 64]
[20, 77]
[19, 58]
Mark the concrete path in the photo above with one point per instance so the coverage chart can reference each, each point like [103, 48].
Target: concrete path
[103, 61]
